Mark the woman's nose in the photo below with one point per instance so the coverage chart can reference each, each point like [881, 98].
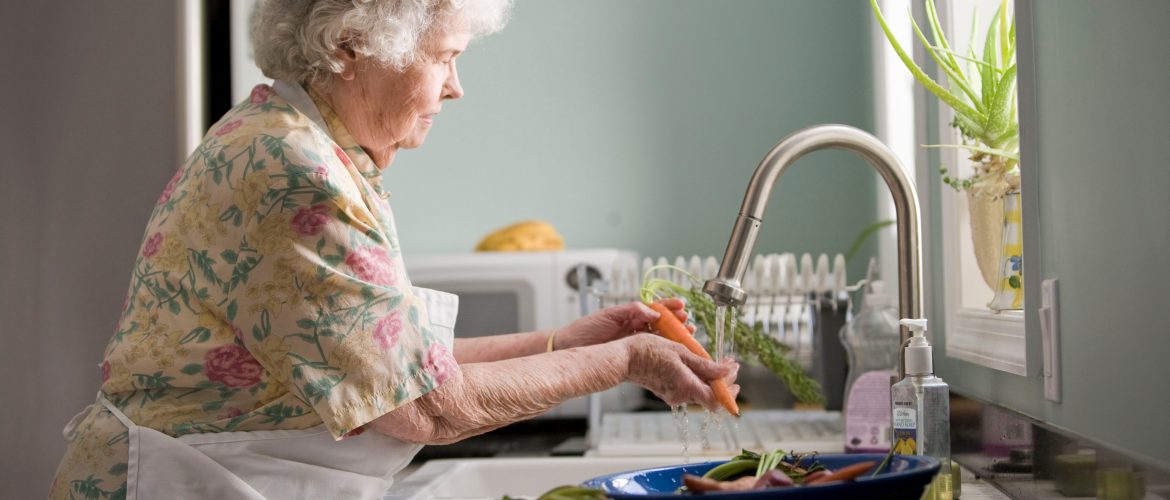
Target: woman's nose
[451, 88]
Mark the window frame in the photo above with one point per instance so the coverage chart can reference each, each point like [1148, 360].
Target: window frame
[987, 338]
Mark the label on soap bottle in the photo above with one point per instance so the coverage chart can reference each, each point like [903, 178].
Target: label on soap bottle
[867, 414]
[905, 428]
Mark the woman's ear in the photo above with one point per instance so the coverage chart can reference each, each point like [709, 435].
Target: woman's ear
[348, 58]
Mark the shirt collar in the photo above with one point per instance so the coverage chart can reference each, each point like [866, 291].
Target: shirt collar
[337, 131]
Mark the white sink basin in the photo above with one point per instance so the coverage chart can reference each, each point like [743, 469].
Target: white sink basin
[482, 478]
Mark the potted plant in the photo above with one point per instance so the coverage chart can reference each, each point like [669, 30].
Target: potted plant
[982, 94]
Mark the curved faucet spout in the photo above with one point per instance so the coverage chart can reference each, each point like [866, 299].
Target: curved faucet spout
[725, 288]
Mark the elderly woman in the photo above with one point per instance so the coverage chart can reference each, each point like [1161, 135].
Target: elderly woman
[271, 345]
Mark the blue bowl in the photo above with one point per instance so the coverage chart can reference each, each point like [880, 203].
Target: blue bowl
[905, 477]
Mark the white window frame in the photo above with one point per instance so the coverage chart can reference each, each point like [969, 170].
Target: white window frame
[974, 334]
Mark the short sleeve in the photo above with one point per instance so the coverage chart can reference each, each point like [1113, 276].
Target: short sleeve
[322, 299]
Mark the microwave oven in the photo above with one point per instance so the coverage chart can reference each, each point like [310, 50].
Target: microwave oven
[508, 292]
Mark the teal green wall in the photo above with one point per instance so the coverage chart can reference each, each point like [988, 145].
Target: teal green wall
[1094, 93]
[638, 124]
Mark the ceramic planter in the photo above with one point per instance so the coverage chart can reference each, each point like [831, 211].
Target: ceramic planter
[986, 214]
[1009, 280]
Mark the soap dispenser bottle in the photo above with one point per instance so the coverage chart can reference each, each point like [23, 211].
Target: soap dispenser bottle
[871, 343]
[922, 410]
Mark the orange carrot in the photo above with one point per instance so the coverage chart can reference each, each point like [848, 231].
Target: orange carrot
[669, 326]
[843, 474]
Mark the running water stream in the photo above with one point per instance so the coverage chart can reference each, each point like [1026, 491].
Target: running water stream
[724, 347]
[725, 319]
[684, 429]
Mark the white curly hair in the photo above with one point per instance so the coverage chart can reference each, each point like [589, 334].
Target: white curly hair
[296, 40]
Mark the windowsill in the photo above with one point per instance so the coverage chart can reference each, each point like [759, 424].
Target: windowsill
[986, 338]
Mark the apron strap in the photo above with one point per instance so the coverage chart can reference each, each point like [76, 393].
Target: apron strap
[117, 413]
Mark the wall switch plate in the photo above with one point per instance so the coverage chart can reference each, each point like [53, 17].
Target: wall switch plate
[1050, 337]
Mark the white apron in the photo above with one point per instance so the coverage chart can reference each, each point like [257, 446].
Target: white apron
[284, 464]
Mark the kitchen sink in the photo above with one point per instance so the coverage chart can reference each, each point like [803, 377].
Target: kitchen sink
[482, 478]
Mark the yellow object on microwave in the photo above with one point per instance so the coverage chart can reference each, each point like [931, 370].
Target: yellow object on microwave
[524, 236]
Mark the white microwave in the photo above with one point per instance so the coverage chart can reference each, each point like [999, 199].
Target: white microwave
[508, 292]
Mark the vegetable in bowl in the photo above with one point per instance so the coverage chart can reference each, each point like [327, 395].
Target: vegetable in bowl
[895, 477]
[752, 471]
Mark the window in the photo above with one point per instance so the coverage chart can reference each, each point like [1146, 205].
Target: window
[974, 333]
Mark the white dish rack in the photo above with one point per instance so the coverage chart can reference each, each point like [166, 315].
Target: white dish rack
[784, 293]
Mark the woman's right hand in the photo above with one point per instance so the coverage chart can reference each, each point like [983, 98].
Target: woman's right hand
[673, 373]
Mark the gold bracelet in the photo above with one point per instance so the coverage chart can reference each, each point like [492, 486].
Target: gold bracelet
[551, 337]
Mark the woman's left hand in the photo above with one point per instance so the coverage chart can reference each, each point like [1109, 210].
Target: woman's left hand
[614, 323]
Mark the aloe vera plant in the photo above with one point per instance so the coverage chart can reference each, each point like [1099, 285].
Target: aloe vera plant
[982, 93]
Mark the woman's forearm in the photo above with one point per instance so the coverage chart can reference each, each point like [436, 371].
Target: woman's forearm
[485, 396]
[501, 347]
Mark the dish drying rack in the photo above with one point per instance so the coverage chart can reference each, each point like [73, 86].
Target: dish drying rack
[790, 297]
[800, 301]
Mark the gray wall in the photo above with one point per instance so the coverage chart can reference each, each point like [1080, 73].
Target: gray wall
[638, 124]
[627, 124]
[1094, 157]
[89, 141]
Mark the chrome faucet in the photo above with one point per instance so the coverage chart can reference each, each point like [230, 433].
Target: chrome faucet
[725, 288]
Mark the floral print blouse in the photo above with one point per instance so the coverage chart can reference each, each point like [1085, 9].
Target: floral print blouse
[268, 293]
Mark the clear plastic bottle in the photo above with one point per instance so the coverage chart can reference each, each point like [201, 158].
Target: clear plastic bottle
[922, 411]
[871, 342]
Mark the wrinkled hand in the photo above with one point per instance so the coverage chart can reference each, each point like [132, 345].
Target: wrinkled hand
[615, 322]
[676, 375]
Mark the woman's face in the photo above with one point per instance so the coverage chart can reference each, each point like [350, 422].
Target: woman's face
[386, 109]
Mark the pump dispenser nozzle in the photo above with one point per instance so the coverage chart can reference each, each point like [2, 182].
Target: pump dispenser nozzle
[919, 353]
